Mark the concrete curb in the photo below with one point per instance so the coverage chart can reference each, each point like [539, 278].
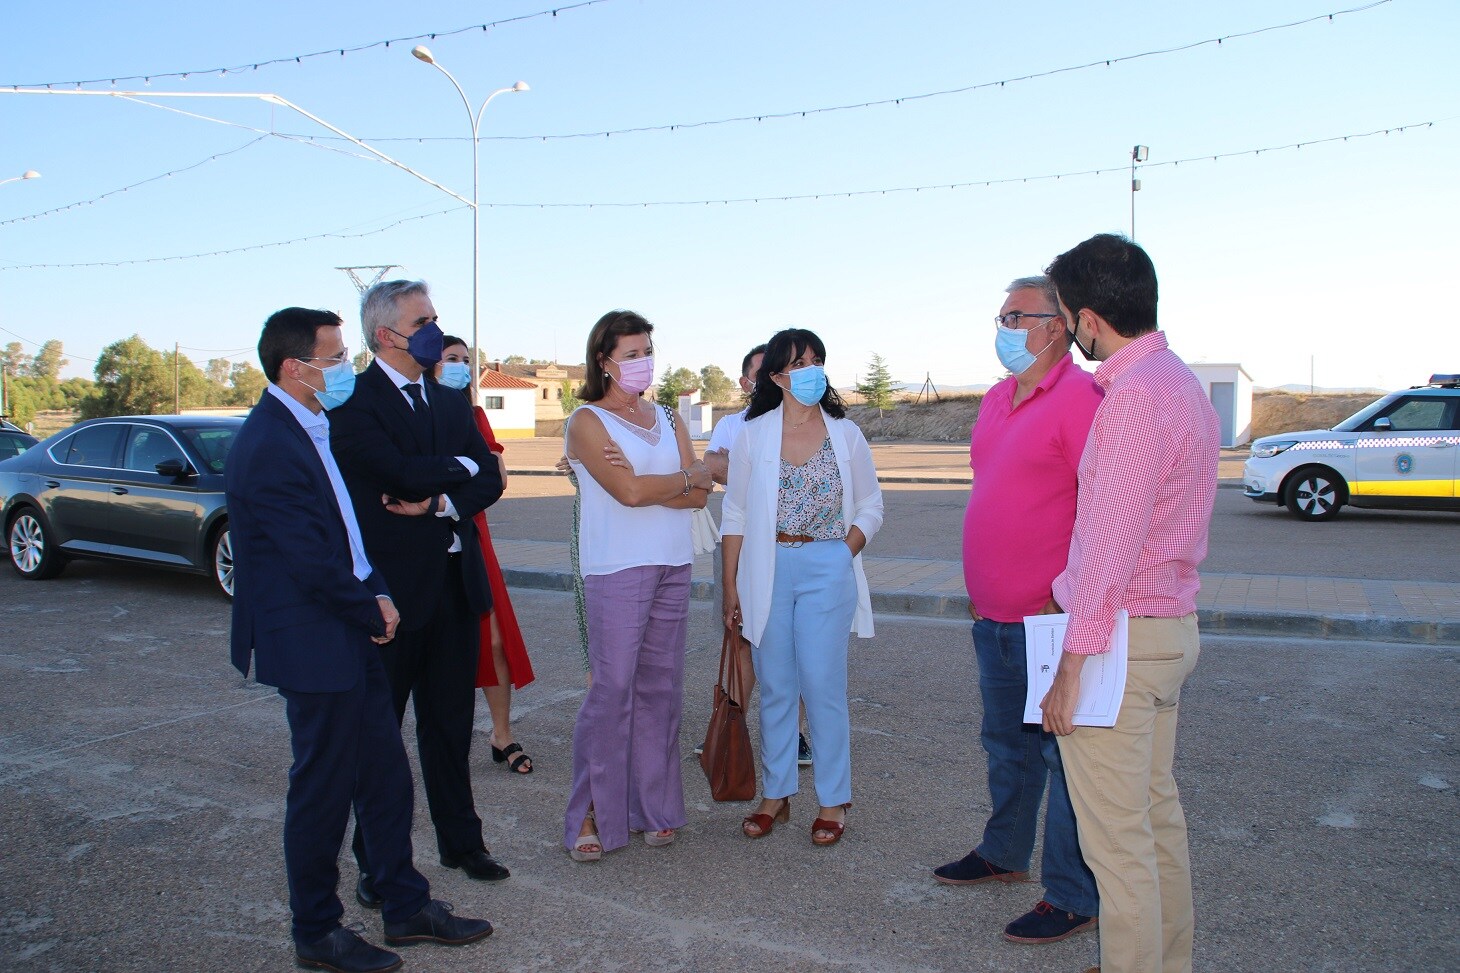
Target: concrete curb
[1363, 628]
[1227, 484]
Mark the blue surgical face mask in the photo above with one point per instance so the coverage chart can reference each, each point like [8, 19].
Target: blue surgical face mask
[425, 345]
[455, 374]
[808, 384]
[1011, 347]
[339, 384]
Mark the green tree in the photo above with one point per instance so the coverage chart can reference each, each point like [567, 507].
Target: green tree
[514, 360]
[362, 360]
[131, 379]
[219, 371]
[569, 401]
[14, 360]
[674, 382]
[248, 384]
[876, 390]
[49, 361]
[74, 391]
[717, 386]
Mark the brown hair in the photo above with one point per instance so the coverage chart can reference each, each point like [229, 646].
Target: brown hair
[601, 342]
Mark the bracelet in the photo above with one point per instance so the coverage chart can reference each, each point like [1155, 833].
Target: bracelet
[686, 482]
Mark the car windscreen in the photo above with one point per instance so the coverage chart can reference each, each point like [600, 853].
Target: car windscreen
[1361, 418]
[212, 444]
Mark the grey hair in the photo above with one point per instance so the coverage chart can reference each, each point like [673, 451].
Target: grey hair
[1042, 284]
[377, 307]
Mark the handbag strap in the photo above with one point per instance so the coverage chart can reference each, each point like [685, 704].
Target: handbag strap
[729, 677]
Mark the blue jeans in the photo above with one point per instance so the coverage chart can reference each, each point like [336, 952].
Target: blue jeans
[1022, 757]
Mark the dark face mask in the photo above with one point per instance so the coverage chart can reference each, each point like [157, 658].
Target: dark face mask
[1075, 336]
[426, 345]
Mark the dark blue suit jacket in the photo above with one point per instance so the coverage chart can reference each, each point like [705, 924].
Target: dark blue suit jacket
[298, 608]
[375, 441]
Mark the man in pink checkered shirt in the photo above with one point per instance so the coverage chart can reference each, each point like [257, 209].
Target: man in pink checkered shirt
[1147, 478]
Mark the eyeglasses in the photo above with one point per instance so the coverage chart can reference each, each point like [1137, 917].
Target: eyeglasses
[343, 356]
[1011, 320]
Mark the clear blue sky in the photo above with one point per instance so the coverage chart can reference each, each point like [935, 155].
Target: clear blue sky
[1337, 250]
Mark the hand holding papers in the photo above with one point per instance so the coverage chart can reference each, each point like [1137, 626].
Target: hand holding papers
[1102, 681]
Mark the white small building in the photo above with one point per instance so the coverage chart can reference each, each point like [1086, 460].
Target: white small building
[699, 416]
[1229, 388]
[510, 403]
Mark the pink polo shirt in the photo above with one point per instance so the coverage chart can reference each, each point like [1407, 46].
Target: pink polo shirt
[1147, 484]
[1025, 460]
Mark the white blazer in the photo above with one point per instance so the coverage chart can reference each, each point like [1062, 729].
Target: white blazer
[749, 509]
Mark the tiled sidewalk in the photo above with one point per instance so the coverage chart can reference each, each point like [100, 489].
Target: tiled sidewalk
[1407, 611]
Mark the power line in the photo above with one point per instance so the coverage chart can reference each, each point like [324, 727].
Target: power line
[845, 194]
[898, 100]
[114, 192]
[299, 58]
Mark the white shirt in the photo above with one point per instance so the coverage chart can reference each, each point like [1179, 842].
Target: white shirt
[727, 430]
[317, 427]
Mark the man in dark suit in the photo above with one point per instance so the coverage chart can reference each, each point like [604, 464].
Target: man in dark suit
[310, 610]
[405, 439]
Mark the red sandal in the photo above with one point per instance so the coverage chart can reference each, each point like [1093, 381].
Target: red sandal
[826, 832]
[765, 823]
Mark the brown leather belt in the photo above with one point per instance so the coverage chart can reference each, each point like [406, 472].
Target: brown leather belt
[794, 540]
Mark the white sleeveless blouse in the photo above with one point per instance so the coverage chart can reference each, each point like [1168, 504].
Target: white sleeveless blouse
[612, 537]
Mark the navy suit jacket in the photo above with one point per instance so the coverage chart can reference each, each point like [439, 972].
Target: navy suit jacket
[374, 439]
[298, 608]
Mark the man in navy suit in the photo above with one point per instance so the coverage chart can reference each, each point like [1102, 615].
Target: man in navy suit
[405, 437]
[309, 610]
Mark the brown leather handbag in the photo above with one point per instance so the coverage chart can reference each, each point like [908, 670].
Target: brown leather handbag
[727, 760]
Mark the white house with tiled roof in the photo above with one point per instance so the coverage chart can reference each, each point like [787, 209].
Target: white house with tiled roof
[510, 404]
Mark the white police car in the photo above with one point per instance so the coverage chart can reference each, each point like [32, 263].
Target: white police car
[1402, 451]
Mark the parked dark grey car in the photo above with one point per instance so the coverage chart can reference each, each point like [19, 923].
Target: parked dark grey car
[13, 442]
[135, 488]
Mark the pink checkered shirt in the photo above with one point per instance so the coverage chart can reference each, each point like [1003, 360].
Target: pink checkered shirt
[1148, 478]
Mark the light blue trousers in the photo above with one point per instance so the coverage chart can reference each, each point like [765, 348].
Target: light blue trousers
[802, 655]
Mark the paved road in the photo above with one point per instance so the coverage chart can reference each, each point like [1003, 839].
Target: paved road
[142, 786]
[926, 521]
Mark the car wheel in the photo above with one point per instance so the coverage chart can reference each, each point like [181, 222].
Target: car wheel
[222, 561]
[1314, 493]
[31, 552]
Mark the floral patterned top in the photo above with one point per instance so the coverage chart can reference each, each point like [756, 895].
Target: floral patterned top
[810, 499]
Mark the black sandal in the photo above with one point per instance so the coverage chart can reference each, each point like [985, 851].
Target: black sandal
[515, 763]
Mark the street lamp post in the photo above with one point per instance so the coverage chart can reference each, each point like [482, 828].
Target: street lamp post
[1138, 154]
[475, 118]
[27, 174]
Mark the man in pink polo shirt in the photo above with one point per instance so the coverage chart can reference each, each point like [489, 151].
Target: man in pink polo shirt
[1025, 450]
[1147, 482]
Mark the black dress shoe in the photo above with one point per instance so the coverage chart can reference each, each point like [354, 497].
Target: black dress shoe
[342, 951]
[365, 893]
[436, 924]
[478, 865]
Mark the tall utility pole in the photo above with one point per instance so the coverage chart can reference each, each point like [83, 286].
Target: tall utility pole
[378, 273]
[1138, 154]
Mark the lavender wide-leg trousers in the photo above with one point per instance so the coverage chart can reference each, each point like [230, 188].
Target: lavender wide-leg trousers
[626, 763]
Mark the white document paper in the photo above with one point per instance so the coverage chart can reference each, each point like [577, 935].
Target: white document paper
[1102, 680]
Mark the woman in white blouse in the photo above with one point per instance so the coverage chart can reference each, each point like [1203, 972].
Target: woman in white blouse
[801, 503]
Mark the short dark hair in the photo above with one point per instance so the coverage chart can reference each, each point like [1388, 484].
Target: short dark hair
[291, 333]
[1110, 275]
[447, 340]
[780, 351]
[745, 362]
[601, 342]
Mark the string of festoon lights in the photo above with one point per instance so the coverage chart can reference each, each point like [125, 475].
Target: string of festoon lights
[1104, 62]
[1123, 168]
[199, 73]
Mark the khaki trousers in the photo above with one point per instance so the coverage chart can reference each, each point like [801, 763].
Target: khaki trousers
[1127, 809]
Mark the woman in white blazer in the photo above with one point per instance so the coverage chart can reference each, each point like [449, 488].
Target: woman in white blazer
[801, 502]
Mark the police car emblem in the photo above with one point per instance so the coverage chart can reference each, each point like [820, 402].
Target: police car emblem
[1403, 463]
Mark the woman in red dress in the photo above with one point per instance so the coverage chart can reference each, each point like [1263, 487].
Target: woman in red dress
[502, 664]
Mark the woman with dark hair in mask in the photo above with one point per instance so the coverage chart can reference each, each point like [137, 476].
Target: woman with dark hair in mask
[635, 552]
[502, 664]
[801, 503]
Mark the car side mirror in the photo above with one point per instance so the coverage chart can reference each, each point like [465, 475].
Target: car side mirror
[1383, 425]
[171, 468]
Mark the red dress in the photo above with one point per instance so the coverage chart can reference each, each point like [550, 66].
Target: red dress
[519, 667]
